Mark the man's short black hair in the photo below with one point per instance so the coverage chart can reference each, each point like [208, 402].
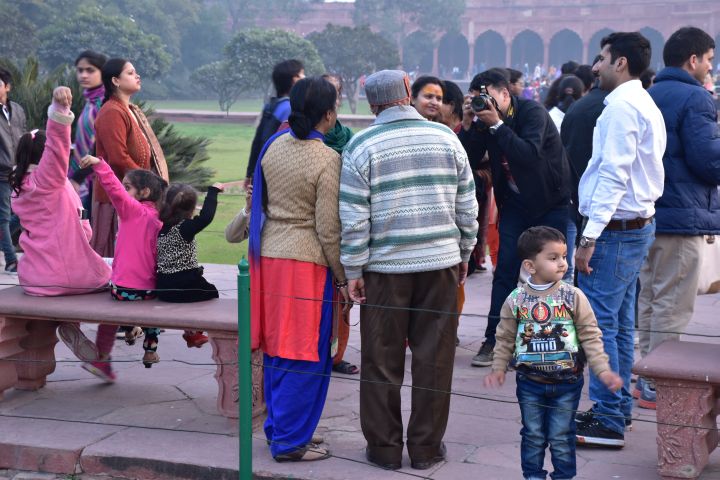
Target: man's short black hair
[584, 73]
[5, 76]
[569, 67]
[283, 74]
[647, 78]
[514, 75]
[534, 239]
[685, 43]
[631, 45]
[495, 77]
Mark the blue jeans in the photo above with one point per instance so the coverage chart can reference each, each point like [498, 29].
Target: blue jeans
[571, 237]
[513, 221]
[548, 418]
[611, 290]
[5, 238]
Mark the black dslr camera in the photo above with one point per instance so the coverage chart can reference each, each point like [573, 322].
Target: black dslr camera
[482, 102]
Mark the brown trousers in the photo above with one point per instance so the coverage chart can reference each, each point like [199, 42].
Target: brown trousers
[431, 337]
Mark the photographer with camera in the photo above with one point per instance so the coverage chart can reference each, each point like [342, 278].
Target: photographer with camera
[530, 173]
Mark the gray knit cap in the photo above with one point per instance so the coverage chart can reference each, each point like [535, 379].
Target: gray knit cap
[387, 87]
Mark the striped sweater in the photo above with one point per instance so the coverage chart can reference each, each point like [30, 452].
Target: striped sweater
[407, 197]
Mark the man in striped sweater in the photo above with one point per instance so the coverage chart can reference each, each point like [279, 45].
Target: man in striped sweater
[409, 224]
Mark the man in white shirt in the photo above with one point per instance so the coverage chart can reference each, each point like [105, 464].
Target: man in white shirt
[617, 196]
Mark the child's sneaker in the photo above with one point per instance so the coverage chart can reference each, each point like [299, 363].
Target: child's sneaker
[77, 342]
[195, 339]
[11, 268]
[102, 370]
[648, 396]
[132, 334]
[149, 358]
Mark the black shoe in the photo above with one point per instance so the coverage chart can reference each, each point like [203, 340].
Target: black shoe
[430, 463]
[595, 433]
[386, 466]
[584, 417]
[484, 357]
[588, 416]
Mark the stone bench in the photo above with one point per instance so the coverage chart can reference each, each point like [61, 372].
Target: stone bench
[28, 332]
[687, 378]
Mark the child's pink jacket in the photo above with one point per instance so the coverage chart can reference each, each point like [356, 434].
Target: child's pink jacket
[135, 262]
[58, 259]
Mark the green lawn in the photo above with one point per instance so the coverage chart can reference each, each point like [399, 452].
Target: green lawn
[229, 147]
[212, 247]
[243, 105]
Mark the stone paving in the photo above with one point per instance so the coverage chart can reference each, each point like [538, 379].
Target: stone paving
[482, 437]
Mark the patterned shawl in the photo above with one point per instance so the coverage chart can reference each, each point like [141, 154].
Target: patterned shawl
[85, 133]
[157, 157]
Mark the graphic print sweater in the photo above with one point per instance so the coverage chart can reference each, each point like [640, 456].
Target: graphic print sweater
[549, 334]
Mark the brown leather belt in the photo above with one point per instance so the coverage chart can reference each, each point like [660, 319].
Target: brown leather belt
[622, 225]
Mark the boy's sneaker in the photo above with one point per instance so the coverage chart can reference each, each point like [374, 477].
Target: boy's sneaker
[648, 396]
[77, 342]
[11, 268]
[102, 370]
[195, 339]
[484, 357]
[595, 433]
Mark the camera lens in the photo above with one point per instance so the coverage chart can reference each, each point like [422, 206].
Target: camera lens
[478, 103]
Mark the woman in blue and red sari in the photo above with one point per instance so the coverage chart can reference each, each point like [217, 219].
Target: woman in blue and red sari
[295, 270]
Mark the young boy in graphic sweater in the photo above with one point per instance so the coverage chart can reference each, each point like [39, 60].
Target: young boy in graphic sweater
[547, 333]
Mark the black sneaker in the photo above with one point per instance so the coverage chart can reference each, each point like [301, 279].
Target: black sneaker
[584, 417]
[484, 357]
[595, 433]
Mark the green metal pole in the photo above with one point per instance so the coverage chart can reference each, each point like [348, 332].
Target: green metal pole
[244, 370]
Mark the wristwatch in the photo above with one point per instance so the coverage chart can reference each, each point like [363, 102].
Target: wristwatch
[586, 242]
[495, 127]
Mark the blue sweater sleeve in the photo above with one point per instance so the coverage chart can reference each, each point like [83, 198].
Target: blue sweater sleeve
[700, 137]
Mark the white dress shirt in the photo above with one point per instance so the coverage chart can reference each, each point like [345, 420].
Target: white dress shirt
[625, 174]
[557, 116]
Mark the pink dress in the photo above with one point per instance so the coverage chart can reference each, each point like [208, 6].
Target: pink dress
[58, 259]
[135, 262]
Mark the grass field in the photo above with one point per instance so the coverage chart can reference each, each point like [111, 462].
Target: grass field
[229, 149]
[243, 105]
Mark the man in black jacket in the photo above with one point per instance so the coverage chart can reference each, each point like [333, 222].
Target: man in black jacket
[531, 177]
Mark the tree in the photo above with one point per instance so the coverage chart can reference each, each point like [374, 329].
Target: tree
[18, 39]
[397, 18]
[62, 40]
[352, 53]
[32, 89]
[245, 13]
[218, 77]
[252, 54]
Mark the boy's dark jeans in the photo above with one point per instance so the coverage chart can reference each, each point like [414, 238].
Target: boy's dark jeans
[548, 418]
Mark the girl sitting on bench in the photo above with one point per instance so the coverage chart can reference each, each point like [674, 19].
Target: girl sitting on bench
[180, 277]
[133, 273]
[58, 259]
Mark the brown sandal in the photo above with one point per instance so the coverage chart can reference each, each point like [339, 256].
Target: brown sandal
[305, 454]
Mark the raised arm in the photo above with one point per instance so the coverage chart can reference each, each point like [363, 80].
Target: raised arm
[51, 172]
[125, 204]
[195, 225]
